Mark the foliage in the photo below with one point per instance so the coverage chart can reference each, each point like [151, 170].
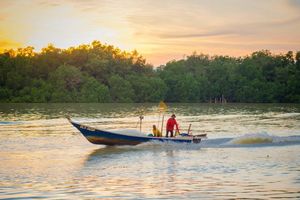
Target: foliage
[120, 89]
[261, 77]
[103, 73]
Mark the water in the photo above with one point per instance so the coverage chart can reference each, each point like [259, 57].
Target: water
[252, 152]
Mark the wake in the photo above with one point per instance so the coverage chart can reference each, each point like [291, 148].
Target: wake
[244, 141]
[252, 140]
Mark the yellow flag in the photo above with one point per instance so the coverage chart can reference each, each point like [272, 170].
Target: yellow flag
[162, 106]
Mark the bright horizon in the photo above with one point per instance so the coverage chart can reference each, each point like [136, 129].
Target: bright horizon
[159, 30]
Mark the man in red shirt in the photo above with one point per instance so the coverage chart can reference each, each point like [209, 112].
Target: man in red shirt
[170, 125]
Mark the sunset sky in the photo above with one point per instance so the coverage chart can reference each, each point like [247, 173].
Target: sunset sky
[159, 30]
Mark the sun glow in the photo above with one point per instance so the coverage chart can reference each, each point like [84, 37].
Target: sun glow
[60, 25]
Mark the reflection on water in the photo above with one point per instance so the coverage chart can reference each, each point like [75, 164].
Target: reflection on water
[109, 152]
[179, 172]
[43, 156]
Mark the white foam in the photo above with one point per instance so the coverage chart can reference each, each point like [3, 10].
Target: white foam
[261, 138]
[252, 138]
[162, 146]
[287, 115]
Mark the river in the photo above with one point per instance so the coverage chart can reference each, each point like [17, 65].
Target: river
[252, 152]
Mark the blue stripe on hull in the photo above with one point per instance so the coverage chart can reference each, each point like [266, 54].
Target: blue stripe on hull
[96, 136]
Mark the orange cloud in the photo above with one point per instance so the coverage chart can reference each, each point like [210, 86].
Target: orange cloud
[8, 44]
[159, 30]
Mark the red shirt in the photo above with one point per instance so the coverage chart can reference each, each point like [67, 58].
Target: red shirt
[171, 123]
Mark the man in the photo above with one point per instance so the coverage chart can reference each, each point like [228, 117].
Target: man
[170, 125]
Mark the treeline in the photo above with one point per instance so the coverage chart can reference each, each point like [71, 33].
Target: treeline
[103, 73]
[261, 77]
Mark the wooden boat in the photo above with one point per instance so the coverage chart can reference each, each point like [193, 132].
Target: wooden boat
[101, 137]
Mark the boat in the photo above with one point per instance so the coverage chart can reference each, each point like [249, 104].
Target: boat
[110, 138]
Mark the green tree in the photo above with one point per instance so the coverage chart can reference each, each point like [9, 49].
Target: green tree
[101, 73]
[147, 89]
[298, 60]
[93, 91]
[66, 80]
[5, 94]
[120, 89]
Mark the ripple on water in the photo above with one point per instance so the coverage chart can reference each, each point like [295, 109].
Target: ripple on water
[43, 156]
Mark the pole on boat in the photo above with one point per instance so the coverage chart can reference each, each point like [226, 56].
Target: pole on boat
[162, 123]
[189, 129]
[158, 120]
[141, 119]
[162, 107]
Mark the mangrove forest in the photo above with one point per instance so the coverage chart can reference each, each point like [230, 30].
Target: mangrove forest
[102, 73]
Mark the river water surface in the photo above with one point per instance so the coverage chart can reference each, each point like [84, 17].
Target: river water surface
[252, 152]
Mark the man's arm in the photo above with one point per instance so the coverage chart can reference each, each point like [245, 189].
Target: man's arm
[176, 124]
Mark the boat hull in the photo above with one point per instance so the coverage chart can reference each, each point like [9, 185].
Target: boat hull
[101, 137]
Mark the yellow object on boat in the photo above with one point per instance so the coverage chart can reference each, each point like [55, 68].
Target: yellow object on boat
[162, 106]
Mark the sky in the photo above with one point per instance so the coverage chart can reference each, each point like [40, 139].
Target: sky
[159, 30]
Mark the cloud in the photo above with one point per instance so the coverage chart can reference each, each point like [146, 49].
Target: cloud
[231, 30]
[295, 3]
[213, 20]
[2, 17]
[8, 44]
[197, 35]
[49, 4]
[6, 3]
[176, 26]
